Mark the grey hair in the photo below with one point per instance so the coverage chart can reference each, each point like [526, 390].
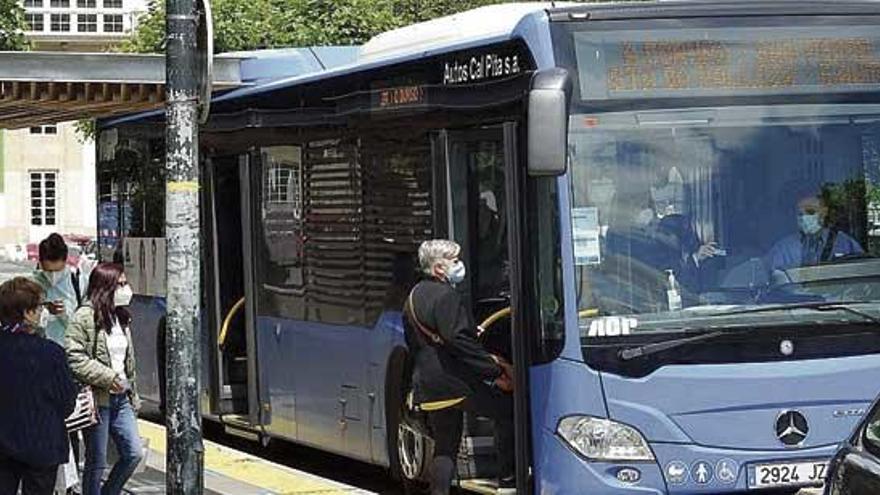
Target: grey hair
[436, 250]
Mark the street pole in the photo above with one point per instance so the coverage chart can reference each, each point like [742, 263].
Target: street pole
[185, 453]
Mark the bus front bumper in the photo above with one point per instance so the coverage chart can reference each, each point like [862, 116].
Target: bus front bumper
[678, 469]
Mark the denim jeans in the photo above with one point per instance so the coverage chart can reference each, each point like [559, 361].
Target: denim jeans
[119, 423]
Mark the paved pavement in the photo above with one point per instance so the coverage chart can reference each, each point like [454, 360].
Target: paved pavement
[231, 472]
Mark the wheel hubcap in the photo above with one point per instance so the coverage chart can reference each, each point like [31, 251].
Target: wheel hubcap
[410, 450]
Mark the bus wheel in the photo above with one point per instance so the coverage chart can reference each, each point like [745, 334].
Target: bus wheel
[409, 450]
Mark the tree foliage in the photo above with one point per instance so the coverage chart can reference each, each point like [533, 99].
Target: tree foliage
[255, 24]
[12, 26]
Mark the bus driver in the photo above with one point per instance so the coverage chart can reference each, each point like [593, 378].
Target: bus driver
[815, 242]
[451, 370]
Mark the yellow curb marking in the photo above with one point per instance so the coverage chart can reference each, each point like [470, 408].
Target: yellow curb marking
[247, 468]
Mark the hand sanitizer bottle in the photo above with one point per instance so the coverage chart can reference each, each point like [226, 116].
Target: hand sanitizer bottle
[673, 295]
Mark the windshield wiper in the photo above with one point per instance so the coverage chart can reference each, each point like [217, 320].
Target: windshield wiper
[845, 306]
[648, 349]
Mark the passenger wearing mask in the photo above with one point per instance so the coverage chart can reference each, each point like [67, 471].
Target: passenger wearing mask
[451, 371]
[60, 284]
[37, 393]
[815, 242]
[100, 352]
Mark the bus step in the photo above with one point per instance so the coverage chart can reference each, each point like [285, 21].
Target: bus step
[239, 426]
[477, 458]
[486, 486]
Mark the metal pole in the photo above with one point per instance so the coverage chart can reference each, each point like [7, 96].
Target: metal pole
[185, 454]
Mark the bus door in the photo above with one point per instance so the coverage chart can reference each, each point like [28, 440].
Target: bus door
[233, 387]
[476, 218]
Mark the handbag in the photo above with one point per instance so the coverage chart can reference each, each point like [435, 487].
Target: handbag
[85, 411]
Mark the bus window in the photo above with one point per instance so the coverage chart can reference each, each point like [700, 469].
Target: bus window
[698, 217]
[339, 217]
[477, 208]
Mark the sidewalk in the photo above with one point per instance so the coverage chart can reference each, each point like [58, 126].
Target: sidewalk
[230, 472]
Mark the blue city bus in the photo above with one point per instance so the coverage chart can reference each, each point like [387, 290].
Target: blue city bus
[669, 213]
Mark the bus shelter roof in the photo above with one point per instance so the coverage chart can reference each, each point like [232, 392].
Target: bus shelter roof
[46, 87]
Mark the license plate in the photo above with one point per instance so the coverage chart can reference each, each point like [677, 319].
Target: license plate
[787, 474]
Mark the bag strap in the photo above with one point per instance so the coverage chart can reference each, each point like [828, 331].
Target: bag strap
[829, 245]
[74, 279]
[431, 335]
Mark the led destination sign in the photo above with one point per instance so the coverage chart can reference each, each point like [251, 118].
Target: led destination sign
[727, 61]
[399, 97]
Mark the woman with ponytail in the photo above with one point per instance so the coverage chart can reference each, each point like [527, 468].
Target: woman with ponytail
[100, 352]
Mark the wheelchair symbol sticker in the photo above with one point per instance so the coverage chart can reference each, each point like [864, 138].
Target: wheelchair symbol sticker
[726, 470]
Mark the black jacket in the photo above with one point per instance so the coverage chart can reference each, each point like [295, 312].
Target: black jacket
[36, 394]
[447, 370]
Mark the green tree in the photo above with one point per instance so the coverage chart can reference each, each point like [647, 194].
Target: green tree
[12, 26]
[256, 24]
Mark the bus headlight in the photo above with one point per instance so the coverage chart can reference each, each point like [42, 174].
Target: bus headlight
[604, 440]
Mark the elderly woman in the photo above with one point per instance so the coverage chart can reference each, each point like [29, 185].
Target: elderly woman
[452, 372]
[37, 392]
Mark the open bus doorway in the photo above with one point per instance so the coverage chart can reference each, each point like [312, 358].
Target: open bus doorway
[475, 188]
[227, 299]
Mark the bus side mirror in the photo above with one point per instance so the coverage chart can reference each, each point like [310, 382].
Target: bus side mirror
[548, 122]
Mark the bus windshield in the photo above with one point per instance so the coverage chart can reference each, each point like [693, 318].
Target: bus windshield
[718, 171]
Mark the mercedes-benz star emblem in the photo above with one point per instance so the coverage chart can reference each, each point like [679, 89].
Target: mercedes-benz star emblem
[786, 347]
[791, 428]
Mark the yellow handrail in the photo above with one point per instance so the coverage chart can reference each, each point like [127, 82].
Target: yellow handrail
[501, 313]
[224, 329]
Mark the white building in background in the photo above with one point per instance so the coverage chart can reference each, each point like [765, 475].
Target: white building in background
[80, 25]
[47, 174]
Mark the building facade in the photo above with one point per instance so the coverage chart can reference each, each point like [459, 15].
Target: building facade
[47, 173]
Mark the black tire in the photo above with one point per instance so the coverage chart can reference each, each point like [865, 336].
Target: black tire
[412, 479]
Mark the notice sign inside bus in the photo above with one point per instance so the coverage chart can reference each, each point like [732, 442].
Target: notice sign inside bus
[727, 61]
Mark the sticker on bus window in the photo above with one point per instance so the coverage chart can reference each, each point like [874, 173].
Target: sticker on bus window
[612, 326]
[585, 234]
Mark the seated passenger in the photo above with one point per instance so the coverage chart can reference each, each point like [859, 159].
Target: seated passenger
[814, 243]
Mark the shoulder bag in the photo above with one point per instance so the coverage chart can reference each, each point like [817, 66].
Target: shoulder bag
[85, 412]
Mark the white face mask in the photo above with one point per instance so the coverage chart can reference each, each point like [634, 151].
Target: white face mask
[122, 296]
[55, 277]
[455, 274]
[809, 224]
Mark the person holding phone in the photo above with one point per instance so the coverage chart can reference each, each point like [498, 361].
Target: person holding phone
[100, 352]
[61, 287]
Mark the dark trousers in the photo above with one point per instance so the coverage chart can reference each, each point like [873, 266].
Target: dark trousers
[33, 480]
[446, 428]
